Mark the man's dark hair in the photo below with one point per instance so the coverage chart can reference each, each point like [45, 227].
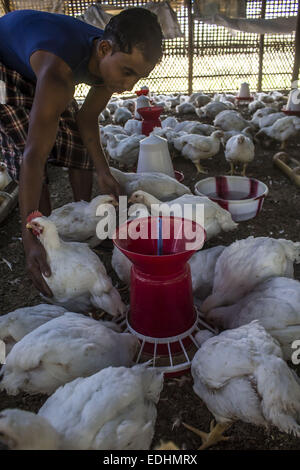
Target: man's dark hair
[136, 27]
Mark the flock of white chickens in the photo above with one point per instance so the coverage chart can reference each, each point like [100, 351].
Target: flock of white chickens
[196, 140]
[98, 397]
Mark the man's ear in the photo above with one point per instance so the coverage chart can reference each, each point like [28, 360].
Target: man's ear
[104, 47]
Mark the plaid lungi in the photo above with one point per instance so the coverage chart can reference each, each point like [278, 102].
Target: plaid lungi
[68, 149]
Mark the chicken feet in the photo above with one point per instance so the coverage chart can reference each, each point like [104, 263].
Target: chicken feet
[210, 438]
[200, 168]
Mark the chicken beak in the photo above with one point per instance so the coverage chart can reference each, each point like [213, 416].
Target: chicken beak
[28, 226]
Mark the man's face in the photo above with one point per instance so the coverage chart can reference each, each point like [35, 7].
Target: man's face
[121, 71]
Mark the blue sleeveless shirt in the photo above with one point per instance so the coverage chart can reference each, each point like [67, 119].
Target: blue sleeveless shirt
[23, 32]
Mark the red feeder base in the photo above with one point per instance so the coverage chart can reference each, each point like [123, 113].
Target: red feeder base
[150, 115]
[162, 313]
[240, 99]
[291, 112]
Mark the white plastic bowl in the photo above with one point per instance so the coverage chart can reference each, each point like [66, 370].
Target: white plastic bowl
[243, 197]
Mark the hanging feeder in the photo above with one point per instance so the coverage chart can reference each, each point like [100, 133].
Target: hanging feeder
[162, 314]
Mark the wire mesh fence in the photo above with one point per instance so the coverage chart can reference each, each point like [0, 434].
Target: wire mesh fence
[221, 59]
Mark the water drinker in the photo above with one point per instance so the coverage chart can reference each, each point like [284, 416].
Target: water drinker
[142, 91]
[154, 156]
[244, 93]
[162, 313]
[150, 115]
[293, 104]
[243, 197]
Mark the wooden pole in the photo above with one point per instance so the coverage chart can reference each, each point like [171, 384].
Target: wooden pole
[261, 49]
[295, 74]
[5, 6]
[190, 47]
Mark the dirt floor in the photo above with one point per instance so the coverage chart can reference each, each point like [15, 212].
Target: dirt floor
[280, 218]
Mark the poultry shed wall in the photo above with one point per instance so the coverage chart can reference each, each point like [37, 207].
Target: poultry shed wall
[208, 57]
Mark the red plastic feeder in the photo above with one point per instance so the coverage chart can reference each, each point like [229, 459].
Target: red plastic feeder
[179, 176]
[142, 92]
[162, 313]
[291, 112]
[150, 115]
[247, 99]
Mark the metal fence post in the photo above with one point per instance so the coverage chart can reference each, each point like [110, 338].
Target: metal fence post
[190, 46]
[295, 74]
[5, 6]
[261, 49]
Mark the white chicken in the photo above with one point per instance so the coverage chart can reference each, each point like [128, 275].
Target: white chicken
[15, 325]
[106, 114]
[173, 100]
[110, 129]
[111, 410]
[269, 119]
[210, 110]
[63, 349]
[246, 263]
[158, 184]
[195, 127]
[231, 120]
[215, 218]
[77, 221]
[240, 375]
[113, 105]
[78, 278]
[282, 129]
[133, 126]
[198, 147]
[248, 132]
[185, 108]
[122, 115]
[170, 121]
[170, 134]
[261, 113]
[4, 176]
[275, 303]
[124, 149]
[201, 100]
[255, 105]
[239, 148]
[222, 98]
[129, 104]
[202, 265]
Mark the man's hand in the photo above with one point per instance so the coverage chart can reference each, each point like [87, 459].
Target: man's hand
[36, 263]
[109, 185]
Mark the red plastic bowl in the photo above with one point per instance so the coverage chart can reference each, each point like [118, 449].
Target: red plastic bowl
[179, 175]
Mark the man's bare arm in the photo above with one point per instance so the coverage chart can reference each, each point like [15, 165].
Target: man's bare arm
[87, 119]
[54, 90]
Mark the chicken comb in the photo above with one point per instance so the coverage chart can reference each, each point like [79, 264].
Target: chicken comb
[33, 215]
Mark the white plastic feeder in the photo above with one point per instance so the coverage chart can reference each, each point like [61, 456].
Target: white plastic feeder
[293, 103]
[154, 156]
[244, 90]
